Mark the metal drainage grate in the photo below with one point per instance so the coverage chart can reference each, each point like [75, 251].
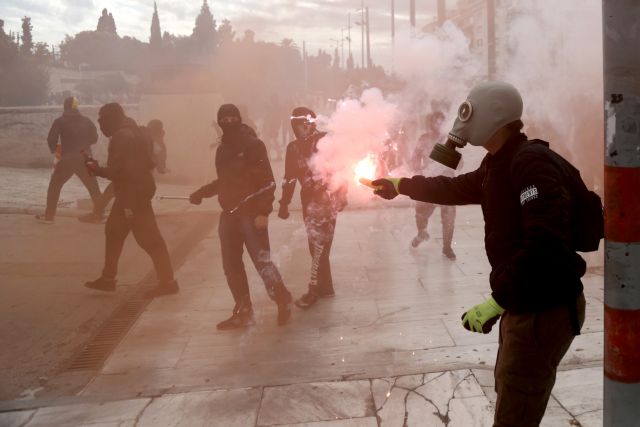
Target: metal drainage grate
[111, 332]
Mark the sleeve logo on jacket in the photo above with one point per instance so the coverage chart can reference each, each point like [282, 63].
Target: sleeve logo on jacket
[528, 194]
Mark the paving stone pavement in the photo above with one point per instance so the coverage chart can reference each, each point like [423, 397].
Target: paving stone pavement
[387, 350]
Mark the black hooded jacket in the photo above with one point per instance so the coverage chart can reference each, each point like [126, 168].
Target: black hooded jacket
[75, 132]
[526, 205]
[297, 168]
[245, 179]
[130, 164]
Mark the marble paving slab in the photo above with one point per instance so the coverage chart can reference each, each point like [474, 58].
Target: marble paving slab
[303, 403]
[229, 408]
[102, 414]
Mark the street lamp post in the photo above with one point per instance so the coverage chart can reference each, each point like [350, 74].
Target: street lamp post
[622, 212]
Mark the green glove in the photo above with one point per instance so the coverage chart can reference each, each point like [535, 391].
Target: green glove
[387, 187]
[482, 317]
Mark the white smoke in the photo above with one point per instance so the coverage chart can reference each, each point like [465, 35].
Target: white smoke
[356, 128]
[555, 60]
[551, 51]
[438, 69]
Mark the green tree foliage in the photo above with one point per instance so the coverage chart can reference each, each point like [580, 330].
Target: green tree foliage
[155, 40]
[22, 80]
[225, 34]
[106, 23]
[204, 32]
[27, 36]
[100, 50]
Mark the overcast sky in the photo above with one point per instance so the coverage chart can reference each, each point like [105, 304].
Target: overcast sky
[315, 21]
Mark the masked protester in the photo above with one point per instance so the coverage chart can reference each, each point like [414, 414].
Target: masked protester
[420, 162]
[535, 271]
[129, 168]
[70, 135]
[155, 138]
[320, 205]
[245, 189]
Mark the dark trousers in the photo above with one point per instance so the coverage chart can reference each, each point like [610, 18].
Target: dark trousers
[531, 347]
[320, 223]
[107, 195]
[64, 170]
[447, 216]
[237, 230]
[141, 220]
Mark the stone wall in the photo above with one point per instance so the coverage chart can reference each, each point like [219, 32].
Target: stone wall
[188, 119]
[23, 134]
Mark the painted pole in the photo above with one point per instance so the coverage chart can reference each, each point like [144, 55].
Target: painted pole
[621, 48]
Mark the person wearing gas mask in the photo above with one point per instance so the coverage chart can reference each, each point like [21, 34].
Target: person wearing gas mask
[535, 271]
[76, 134]
[421, 163]
[245, 189]
[129, 167]
[320, 204]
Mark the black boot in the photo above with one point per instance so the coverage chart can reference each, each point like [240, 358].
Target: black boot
[241, 317]
[166, 288]
[284, 306]
[102, 284]
[308, 299]
[420, 237]
[448, 252]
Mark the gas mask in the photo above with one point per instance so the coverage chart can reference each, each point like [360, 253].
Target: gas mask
[489, 107]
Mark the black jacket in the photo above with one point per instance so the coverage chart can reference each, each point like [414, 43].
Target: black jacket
[130, 164]
[526, 206]
[75, 131]
[297, 168]
[245, 179]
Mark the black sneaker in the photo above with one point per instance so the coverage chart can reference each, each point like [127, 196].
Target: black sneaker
[167, 288]
[448, 252]
[307, 300]
[102, 284]
[91, 218]
[241, 318]
[420, 237]
[43, 219]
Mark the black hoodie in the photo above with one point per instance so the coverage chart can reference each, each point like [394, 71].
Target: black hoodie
[245, 179]
[75, 132]
[130, 164]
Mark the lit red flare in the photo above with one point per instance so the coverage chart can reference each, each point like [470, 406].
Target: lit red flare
[365, 170]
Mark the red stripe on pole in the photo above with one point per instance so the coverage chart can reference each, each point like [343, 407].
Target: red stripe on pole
[622, 201]
[622, 345]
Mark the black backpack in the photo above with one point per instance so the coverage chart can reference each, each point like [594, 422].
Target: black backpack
[587, 217]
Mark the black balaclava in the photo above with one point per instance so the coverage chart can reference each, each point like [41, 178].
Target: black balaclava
[225, 112]
[110, 117]
[303, 115]
[156, 128]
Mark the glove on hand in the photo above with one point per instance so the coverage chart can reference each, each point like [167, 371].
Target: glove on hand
[195, 198]
[387, 188]
[283, 212]
[482, 317]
